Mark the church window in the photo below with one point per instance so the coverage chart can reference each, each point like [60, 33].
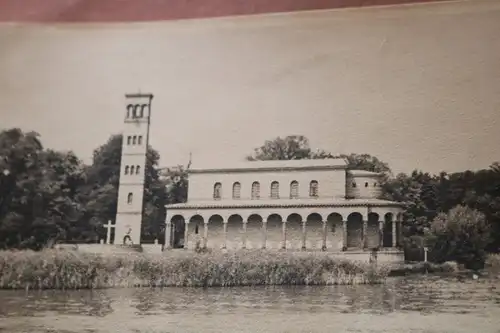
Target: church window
[126, 169]
[142, 109]
[129, 139]
[134, 140]
[294, 189]
[217, 190]
[313, 189]
[275, 190]
[255, 190]
[130, 110]
[137, 169]
[353, 184]
[130, 197]
[374, 184]
[132, 170]
[366, 184]
[236, 190]
[139, 140]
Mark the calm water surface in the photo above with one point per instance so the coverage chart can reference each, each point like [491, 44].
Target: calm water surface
[417, 304]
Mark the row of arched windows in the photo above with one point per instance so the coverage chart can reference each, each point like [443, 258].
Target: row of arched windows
[274, 190]
[132, 169]
[134, 140]
[136, 111]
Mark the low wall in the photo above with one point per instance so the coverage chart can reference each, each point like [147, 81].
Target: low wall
[383, 256]
[99, 248]
[112, 248]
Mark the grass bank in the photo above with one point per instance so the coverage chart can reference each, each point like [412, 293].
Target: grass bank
[52, 269]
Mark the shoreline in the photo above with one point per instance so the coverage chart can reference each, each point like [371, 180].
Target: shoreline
[66, 269]
[56, 269]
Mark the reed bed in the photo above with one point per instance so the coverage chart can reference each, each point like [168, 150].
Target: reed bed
[53, 269]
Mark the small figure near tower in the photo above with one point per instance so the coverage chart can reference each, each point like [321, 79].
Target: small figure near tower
[132, 169]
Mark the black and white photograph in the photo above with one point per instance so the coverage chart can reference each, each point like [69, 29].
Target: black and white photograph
[319, 170]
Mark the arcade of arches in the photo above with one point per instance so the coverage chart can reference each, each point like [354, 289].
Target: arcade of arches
[294, 232]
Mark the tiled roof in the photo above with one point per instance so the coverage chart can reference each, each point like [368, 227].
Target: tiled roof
[280, 203]
[268, 165]
[364, 173]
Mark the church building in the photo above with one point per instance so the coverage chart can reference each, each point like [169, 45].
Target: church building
[294, 205]
[313, 205]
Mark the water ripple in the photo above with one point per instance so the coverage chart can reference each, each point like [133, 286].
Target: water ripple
[429, 295]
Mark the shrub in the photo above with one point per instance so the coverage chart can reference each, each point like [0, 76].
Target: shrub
[461, 235]
[425, 267]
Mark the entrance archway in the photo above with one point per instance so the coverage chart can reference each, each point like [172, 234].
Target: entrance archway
[178, 226]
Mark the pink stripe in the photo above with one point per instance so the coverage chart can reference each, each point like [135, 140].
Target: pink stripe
[151, 10]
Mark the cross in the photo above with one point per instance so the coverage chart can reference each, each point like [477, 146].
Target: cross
[108, 231]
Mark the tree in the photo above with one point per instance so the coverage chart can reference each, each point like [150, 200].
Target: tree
[296, 147]
[38, 194]
[101, 191]
[460, 235]
[176, 184]
[420, 194]
[359, 162]
[292, 147]
[153, 220]
[101, 188]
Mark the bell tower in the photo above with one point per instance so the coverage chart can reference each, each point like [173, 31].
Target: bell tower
[132, 168]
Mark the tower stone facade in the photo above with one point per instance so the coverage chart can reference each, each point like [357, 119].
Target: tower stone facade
[132, 169]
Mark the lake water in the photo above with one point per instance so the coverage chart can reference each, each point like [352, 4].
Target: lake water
[418, 304]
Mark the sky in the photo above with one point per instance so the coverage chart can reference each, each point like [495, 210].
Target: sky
[418, 86]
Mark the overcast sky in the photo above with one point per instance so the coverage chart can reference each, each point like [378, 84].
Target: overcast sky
[418, 86]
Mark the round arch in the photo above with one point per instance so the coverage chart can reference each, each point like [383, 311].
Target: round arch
[294, 233]
[314, 233]
[335, 231]
[234, 232]
[178, 225]
[373, 233]
[274, 227]
[255, 218]
[196, 223]
[387, 229]
[355, 230]
[256, 234]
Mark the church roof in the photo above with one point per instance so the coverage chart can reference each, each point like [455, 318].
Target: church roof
[284, 203]
[364, 173]
[224, 166]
